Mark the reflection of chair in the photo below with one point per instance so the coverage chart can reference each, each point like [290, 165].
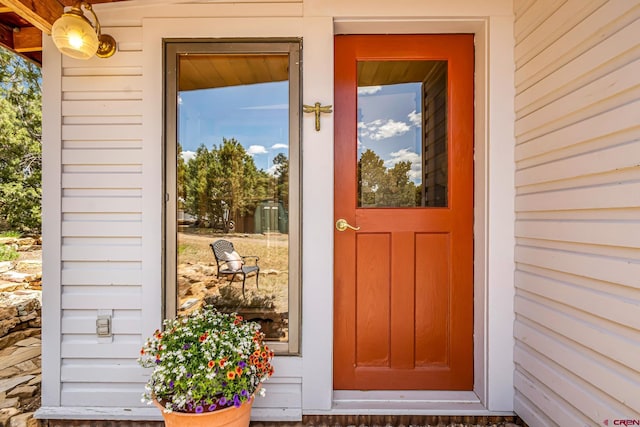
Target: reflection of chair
[230, 262]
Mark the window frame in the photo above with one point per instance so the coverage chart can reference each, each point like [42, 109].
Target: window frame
[172, 49]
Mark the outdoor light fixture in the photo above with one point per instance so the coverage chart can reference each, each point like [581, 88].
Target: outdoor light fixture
[75, 36]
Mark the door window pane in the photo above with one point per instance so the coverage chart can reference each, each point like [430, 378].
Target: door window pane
[402, 134]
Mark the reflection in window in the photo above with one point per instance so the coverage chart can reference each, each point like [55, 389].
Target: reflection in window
[234, 161]
[402, 134]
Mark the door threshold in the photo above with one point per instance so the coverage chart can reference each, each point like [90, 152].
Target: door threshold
[399, 402]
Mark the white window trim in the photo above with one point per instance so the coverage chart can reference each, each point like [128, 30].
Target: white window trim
[493, 241]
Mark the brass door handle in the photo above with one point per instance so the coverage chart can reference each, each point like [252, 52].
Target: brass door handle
[342, 225]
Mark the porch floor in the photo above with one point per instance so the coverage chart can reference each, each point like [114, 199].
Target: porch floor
[333, 421]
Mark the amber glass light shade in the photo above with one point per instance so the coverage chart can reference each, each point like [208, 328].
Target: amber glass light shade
[74, 36]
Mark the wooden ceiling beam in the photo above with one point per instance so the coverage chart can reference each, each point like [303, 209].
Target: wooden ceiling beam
[6, 37]
[40, 13]
[28, 39]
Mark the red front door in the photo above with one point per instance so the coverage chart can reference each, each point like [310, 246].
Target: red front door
[403, 279]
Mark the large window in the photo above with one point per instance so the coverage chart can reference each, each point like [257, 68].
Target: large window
[232, 181]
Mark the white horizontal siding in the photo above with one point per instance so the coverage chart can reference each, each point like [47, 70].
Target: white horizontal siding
[103, 234]
[101, 297]
[101, 230]
[577, 211]
[82, 321]
[102, 273]
[101, 394]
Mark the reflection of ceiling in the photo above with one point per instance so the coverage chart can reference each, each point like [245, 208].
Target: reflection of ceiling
[378, 73]
[203, 71]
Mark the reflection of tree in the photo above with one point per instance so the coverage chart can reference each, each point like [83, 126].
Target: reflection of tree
[281, 163]
[180, 178]
[226, 177]
[379, 186]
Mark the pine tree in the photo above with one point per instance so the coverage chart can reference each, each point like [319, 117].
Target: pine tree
[20, 146]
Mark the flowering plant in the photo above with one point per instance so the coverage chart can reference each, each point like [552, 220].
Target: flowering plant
[205, 361]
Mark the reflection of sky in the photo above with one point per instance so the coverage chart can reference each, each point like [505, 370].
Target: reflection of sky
[257, 116]
[389, 124]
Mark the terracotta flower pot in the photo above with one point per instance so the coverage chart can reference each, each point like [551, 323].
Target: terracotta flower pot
[228, 417]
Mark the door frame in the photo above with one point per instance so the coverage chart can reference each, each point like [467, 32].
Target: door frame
[402, 306]
[494, 200]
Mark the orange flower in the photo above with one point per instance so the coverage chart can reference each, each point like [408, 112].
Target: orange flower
[222, 362]
[211, 364]
[142, 352]
[239, 370]
[231, 375]
[237, 320]
[203, 337]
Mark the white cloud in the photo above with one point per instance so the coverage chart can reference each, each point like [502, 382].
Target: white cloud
[271, 170]
[415, 118]
[279, 146]
[379, 129]
[404, 155]
[369, 90]
[179, 100]
[256, 149]
[188, 155]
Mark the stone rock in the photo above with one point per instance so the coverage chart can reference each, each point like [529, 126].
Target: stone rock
[189, 303]
[19, 355]
[6, 266]
[30, 316]
[12, 287]
[30, 263]
[37, 380]
[35, 323]
[26, 241]
[7, 324]
[26, 366]
[9, 403]
[9, 372]
[20, 345]
[22, 420]
[17, 277]
[28, 304]
[23, 391]
[6, 414]
[8, 312]
[16, 336]
[28, 342]
[9, 383]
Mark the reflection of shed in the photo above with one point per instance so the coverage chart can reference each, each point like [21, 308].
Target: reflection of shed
[271, 217]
